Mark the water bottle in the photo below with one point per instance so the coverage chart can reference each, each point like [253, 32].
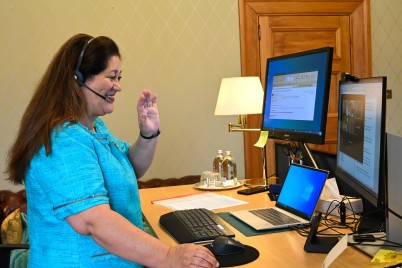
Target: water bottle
[229, 176]
[217, 164]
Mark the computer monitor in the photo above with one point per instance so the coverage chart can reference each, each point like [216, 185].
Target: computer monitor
[296, 96]
[394, 188]
[361, 137]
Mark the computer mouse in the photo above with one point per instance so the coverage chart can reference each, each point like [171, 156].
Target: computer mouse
[223, 245]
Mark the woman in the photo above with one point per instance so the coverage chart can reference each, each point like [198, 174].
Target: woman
[83, 201]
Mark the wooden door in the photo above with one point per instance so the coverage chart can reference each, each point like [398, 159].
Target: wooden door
[273, 28]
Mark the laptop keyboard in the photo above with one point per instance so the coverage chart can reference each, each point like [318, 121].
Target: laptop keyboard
[194, 225]
[273, 216]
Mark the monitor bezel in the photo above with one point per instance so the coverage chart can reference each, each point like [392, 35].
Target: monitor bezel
[293, 134]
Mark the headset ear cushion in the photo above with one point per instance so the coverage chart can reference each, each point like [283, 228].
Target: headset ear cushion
[79, 77]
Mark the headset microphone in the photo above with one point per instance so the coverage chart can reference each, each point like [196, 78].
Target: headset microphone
[93, 91]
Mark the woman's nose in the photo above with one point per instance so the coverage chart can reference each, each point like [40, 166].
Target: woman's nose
[117, 85]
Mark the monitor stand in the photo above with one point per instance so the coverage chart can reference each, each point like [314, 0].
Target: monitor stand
[372, 223]
[310, 155]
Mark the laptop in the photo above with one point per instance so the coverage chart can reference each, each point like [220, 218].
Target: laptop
[296, 203]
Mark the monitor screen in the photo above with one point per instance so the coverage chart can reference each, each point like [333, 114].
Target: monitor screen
[361, 137]
[296, 96]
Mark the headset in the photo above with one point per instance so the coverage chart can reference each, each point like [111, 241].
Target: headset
[78, 75]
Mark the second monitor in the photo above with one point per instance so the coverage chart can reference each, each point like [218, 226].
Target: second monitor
[360, 157]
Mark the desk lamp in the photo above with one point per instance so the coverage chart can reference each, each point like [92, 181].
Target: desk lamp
[241, 96]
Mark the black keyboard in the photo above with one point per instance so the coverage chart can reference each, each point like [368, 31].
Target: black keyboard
[273, 216]
[194, 225]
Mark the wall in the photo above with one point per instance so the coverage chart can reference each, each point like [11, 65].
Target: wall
[386, 43]
[179, 49]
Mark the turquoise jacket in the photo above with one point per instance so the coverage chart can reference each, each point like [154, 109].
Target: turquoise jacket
[83, 170]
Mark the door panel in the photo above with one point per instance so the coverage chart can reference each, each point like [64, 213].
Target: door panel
[273, 28]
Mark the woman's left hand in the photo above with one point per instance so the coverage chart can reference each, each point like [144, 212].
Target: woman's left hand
[148, 115]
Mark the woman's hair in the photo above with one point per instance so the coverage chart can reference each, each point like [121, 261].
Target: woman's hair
[58, 98]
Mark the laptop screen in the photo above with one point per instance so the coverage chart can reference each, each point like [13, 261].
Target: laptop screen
[301, 190]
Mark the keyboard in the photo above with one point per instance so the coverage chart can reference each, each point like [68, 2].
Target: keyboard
[197, 225]
[273, 216]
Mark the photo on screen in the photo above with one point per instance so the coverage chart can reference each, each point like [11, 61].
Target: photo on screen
[352, 126]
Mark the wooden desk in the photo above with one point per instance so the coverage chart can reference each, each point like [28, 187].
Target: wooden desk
[281, 249]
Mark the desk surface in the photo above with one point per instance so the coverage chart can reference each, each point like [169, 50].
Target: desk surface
[281, 249]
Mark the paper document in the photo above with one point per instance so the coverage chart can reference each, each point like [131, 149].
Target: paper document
[204, 200]
[335, 251]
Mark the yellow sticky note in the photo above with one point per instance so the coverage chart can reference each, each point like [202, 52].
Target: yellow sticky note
[262, 140]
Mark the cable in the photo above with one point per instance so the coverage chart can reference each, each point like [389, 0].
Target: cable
[350, 219]
[302, 230]
[389, 243]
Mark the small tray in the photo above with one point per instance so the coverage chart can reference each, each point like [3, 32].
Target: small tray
[204, 187]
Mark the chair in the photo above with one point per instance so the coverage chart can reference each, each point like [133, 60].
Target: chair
[9, 202]
[157, 182]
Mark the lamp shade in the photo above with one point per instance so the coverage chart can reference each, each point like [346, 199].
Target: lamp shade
[240, 95]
